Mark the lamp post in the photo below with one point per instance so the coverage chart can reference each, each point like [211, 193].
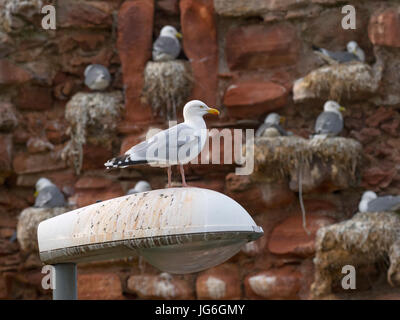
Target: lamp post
[178, 230]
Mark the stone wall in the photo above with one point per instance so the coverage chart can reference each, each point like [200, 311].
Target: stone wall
[245, 56]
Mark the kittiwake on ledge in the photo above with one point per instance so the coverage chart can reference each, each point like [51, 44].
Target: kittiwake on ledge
[272, 126]
[370, 202]
[353, 53]
[330, 122]
[167, 46]
[141, 186]
[97, 77]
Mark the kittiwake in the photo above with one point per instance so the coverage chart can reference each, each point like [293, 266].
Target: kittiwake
[167, 46]
[141, 186]
[330, 122]
[97, 77]
[48, 195]
[370, 202]
[272, 126]
[353, 53]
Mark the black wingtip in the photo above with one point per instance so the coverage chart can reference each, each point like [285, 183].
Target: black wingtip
[315, 48]
[122, 162]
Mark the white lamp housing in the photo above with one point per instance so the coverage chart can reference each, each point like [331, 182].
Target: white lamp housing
[178, 230]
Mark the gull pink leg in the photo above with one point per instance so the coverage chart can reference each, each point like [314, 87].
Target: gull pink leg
[183, 175]
[169, 171]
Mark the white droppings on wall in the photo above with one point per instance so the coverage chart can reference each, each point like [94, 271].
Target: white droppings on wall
[216, 288]
[261, 284]
[164, 288]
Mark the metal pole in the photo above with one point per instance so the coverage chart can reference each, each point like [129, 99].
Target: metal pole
[65, 282]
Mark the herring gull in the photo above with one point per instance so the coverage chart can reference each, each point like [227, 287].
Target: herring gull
[177, 145]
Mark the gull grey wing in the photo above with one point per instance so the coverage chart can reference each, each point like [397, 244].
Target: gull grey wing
[93, 71]
[261, 129]
[280, 129]
[328, 123]
[163, 144]
[385, 203]
[342, 56]
[168, 46]
[50, 197]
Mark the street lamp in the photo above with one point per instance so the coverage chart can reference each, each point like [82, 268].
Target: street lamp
[178, 230]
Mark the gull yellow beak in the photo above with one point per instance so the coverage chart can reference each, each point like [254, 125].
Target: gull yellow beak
[213, 111]
[282, 120]
[342, 108]
[178, 35]
[36, 194]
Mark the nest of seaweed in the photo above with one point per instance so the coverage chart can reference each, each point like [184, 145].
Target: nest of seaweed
[338, 82]
[367, 238]
[167, 86]
[280, 157]
[93, 118]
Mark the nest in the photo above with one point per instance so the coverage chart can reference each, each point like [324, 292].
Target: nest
[350, 81]
[280, 157]
[93, 118]
[19, 8]
[367, 238]
[167, 86]
[28, 222]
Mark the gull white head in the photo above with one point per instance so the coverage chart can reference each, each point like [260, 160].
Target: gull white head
[274, 118]
[97, 77]
[170, 31]
[353, 48]
[333, 106]
[141, 186]
[197, 108]
[43, 183]
[365, 199]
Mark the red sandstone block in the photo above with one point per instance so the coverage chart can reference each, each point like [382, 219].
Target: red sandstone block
[248, 99]
[200, 46]
[12, 74]
[92, 183]
[31, 163]
[85, 197]
[289, 237]
[94, 156]
[34, 98]
[384, 28]
[135, 28]
[99, 286]
[259, 47]
[84, 14]
[6, 148]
